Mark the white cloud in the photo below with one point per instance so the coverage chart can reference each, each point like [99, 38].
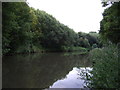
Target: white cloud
[80, 15]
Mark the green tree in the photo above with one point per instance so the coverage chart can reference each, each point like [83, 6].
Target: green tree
[110, 24]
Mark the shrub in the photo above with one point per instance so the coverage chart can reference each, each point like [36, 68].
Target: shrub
[105, 68]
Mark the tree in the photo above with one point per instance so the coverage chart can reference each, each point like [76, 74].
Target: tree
[110, 24]
[19, 27]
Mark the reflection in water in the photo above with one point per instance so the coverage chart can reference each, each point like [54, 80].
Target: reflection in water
[40, 70]
[74, 79]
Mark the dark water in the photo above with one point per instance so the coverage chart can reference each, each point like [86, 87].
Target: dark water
[49, 70]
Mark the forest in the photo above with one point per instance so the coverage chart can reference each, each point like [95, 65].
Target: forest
[26, 30]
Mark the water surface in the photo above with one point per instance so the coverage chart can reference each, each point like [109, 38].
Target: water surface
[49, 70]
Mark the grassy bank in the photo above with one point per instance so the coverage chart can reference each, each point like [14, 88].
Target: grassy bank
[71, 49]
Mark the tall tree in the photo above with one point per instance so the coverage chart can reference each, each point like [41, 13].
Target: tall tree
[110, 24]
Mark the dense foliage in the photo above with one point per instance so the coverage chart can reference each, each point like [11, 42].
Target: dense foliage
[19, 32]
[28, 30]
[88, 40]
[105, 73]
[105, 68]
[110, 24]
[54, 34]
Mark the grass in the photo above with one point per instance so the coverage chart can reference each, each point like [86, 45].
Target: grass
[71, 49]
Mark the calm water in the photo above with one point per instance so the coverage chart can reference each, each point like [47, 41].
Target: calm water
[49, 70]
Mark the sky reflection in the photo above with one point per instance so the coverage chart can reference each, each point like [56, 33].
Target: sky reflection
[72, 80]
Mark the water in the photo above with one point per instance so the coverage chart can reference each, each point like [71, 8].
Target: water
[49, 70]
[73, 79]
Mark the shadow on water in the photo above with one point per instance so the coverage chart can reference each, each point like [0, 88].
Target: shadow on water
[40, 70]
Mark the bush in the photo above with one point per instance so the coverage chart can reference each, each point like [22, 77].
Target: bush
[105, 68]
[28, 49]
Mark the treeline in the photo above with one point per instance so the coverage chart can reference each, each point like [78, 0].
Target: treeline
[27, 30]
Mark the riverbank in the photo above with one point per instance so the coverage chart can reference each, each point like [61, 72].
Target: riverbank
[105, 67]
[79, 50]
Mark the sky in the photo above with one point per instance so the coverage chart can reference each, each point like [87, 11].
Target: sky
[79, 15]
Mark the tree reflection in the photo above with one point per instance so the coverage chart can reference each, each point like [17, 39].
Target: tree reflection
[38, 70]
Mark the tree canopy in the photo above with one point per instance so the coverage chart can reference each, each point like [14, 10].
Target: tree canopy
[110, 25]
[28, 30]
